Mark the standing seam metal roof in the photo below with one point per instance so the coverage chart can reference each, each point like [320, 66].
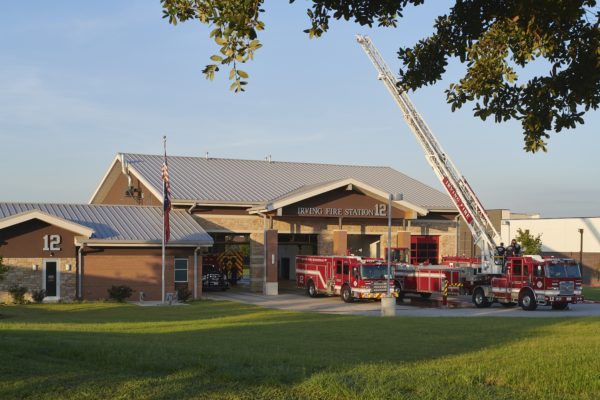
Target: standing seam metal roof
[128, 223]
[258, 182]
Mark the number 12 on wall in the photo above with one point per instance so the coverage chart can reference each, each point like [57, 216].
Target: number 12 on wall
[51, 242]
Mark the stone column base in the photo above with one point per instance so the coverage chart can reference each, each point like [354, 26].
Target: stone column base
[271, 288]
[388, 306]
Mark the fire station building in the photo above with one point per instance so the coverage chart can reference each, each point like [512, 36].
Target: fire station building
[272, 211]
[267, 211]
[81, 250]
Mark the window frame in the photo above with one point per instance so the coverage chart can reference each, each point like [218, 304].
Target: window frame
[175, 269]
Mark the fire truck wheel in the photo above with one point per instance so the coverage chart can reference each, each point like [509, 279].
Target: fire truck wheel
[479, 299]
[400, 295]
[425, 295]
[528, 302]
[311, 290]
[560, 306]
[347, 294]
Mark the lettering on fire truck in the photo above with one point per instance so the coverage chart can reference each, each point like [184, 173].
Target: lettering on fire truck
[461, 206]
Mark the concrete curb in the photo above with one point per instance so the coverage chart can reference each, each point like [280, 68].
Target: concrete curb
[591, 302]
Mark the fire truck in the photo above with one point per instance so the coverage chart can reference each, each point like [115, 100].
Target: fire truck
[528, 281]
[425, 280]
[349, 277]
[524, 280]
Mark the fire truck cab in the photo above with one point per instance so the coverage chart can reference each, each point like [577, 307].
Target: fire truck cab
[531, 281]
[349, 277]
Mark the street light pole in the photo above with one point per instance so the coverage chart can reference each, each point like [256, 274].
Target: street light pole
[580, 248]
[389, 243]
[388, 303]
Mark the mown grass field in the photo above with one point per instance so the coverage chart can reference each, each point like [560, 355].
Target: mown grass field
[225, 350]
[591, 293]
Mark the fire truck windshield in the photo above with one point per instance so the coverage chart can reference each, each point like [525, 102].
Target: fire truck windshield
[373, 271]
[563, 271]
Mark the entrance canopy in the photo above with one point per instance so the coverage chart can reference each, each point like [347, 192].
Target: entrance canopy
[345, 198]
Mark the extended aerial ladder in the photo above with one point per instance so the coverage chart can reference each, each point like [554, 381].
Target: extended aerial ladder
[465, 200]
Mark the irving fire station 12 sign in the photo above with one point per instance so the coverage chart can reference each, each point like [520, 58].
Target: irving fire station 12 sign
[341, 204]
[379, 210]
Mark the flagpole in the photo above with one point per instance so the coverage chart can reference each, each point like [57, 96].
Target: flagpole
[163, 230]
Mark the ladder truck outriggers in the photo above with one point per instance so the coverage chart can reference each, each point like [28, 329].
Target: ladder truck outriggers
[527, 281]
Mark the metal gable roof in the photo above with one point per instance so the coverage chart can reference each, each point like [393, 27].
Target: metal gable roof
[119, 223]
[197, 179]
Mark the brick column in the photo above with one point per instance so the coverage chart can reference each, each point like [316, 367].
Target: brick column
[257, 261]
[325, 243]
[271, 262]
[340, 243]
[403, 240]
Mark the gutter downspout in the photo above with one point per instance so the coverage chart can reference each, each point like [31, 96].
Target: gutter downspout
[196, 250]
[79, 273]
[125, 171]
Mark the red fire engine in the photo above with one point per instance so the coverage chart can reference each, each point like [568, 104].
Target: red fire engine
[529, 281]
[522, 280]
[349, 277]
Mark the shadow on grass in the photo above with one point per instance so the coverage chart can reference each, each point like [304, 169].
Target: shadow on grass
[220, 349]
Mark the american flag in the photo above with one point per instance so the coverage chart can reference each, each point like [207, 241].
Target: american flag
[167, 197]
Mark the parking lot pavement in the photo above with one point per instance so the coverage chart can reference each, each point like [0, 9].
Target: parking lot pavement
[295, 300]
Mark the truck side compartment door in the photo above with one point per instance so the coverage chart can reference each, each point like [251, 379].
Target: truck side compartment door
[338, 274]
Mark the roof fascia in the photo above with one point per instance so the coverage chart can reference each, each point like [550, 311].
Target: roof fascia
[138, 243]
[214, 203]
[50, 219]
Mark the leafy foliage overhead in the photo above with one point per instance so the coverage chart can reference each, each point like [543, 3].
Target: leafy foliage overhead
[494, 39]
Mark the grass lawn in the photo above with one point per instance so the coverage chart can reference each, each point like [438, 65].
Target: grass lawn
[227, 350]
[591, 293]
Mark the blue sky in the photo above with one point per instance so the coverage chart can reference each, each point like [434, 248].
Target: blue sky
[81, 81]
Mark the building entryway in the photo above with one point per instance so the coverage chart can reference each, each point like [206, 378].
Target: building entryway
[365, 245]
[51, 278]
[290, 246]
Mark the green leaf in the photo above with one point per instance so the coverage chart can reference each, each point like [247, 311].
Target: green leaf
[216, 58]
[242, 74]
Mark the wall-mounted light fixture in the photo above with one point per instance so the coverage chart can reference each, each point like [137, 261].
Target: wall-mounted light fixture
[68, 267]
[34, 267]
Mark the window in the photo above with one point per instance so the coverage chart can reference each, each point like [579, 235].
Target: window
[181, 270]
[424, 249]
[516, 267]
[338, 267]
[346, 269]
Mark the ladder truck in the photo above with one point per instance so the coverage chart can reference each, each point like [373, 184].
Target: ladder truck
[456, 185]
[516, 280]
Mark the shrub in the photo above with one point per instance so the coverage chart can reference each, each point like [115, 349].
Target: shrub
[120, 293]
[17, 293]
[38, 295]
[183, 294]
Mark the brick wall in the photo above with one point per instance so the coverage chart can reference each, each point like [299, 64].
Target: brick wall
[140, 269]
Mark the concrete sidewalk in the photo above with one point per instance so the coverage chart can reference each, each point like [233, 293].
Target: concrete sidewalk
[297, 301]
